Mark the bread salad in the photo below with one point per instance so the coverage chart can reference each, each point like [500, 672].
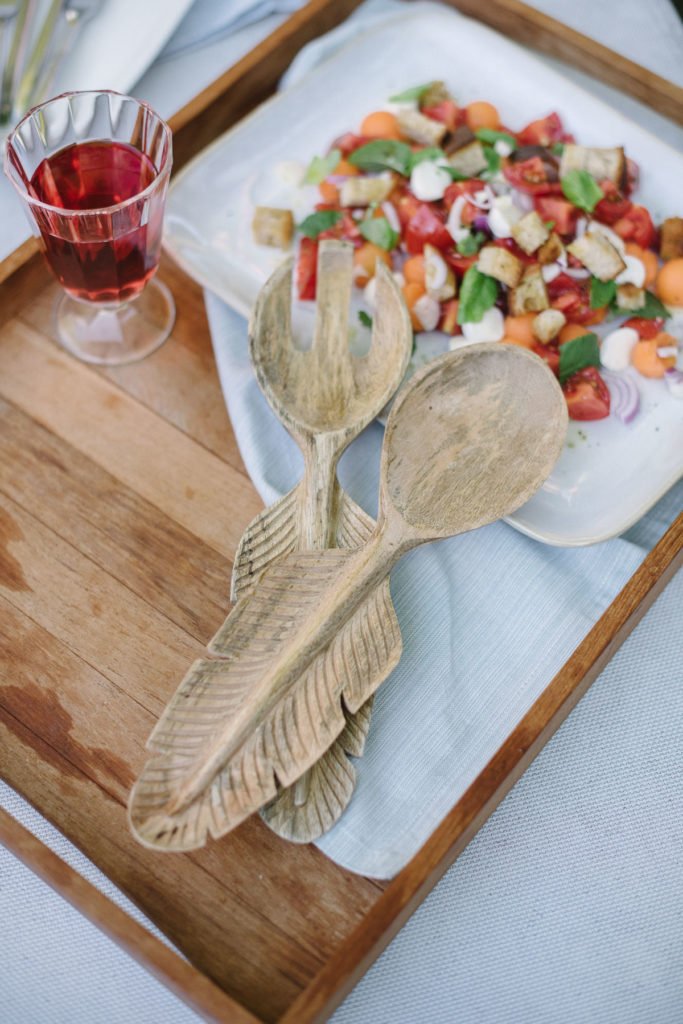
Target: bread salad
[523, 237]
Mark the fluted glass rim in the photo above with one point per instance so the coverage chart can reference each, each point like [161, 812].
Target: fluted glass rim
[161, 173]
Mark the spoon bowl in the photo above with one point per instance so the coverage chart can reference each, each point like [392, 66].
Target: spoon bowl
[470, 439]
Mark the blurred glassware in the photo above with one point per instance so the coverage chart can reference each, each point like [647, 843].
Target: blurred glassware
[92, 170]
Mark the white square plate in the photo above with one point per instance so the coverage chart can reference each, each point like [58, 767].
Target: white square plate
[609, 474]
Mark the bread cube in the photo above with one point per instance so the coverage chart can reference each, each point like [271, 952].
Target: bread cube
[551, 250]
[530, 232]
[600, 163]
[597, 255]
[272, 226]
[419, 128]
[531, 294]
[501, 264]
[671, 239]
[630, 297]
[548, 324]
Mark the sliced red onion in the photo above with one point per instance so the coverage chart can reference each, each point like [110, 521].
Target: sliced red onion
[578, 273]
[389, 211]
[337, 179]
[485, 202]
[674, 381]
[481, 223]
[625, 399]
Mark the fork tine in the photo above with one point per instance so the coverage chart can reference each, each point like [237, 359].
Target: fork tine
[333, 293]
[270, 325]
[392, 330]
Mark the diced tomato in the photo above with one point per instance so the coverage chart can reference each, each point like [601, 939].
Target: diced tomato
[349, 142]
[461, 188]
[449, 317]
[636, 226]
[460, 264]
[572, 298]
[405, 204]
[446, 111]
[426, 226]
[531, 176]
[647, 329]
[542, 132]
[550, 354]
[587, 395]
[560, 211]
[613, 205]
[306, 268]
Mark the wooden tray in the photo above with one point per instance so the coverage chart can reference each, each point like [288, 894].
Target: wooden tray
[122, 498]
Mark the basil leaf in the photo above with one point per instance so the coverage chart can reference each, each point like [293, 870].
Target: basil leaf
[416, 93]
[602, 292]
[429, 153]
[581, 189]
[491, 136]
[365, 318]
[492, 160]
[557, 148]
[550, 224]
[381, 154]
[379, 231]
[321, 167]
[478, 293]
[652, 309]
[577, 354]
[472, 244]
[318, 222]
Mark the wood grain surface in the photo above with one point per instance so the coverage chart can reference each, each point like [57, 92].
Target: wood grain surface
[113, 575]
[122, 498]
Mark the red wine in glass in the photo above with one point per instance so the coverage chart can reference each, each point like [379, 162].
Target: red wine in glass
[107, 259]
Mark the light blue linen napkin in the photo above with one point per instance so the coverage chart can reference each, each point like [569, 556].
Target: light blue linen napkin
[487, 620]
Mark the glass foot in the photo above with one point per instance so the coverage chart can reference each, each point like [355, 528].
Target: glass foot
[123, 334]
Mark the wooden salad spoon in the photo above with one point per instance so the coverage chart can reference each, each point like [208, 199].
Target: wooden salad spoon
[325, 397]
[469, 440]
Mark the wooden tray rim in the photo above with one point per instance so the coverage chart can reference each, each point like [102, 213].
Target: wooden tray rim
[199, 121]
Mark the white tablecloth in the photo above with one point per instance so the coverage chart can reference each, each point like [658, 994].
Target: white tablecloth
[542, 918]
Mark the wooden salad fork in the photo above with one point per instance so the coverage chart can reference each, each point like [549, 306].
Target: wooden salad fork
[468, 440]
[325, 397]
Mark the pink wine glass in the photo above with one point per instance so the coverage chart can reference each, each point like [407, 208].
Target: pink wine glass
[92, 170]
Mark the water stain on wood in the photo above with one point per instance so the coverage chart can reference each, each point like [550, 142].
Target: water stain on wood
[38, 719]
[11, 573]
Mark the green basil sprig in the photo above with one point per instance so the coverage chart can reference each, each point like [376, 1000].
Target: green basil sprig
[321, 220]
[478, 293]
[577, 354]
[383, 154]
[653, 309]
[581, 189]
[379, 231]
[321, 167]
[490, 136]
[602, 292]
[415, 93]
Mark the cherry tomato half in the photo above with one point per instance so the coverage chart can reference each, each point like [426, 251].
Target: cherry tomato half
[426, 227]
[613, 206]
[587, 395]
[306, 268]
[531, 176]
[542, 132]
[446, 111]
[550, 354]
[559, 210]
[636, 226]
[647, 329]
